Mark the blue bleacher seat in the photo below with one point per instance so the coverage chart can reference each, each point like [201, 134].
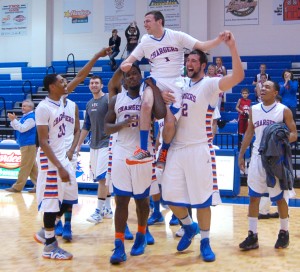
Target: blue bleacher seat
[4, 77]
[13, 64]
[229, 128]
[228, 116]
[234, 97]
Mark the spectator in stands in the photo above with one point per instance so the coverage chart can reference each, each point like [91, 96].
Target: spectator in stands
[262, 68]
[26, 138]
[114, 42]
[132, 34]
[242, 107]
[288, 91]
[221, 70]
[257, 89]
[211, 71]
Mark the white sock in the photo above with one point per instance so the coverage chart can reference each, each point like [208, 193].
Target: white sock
[284, 224]
[204, 234]
[108, 202]
[253, 224]
[100, 204]
[187, 220]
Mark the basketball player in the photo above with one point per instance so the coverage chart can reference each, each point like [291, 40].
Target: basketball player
[260, 116]
[72, 127]
[96, 110]
[55, 170]
[190, 173]
[165, 50]
[129, 181]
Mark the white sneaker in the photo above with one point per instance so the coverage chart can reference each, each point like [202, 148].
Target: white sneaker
[95, 218]
[180, 232]
[107, 213]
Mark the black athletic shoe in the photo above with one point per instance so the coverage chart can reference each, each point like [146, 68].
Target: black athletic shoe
[251, 242]
[283, 239]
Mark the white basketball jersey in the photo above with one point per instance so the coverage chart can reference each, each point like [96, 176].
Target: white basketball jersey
[195, 124]
[126, 107]
[165, 55]
[262, 116]
[51, 113]
[69, 123]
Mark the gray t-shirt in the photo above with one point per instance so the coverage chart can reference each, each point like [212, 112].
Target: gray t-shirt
[96, 110]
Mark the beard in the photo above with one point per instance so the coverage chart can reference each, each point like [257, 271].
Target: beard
[135, 88]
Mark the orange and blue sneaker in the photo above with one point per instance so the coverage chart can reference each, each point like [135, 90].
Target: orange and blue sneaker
[162, 158]
[189, 232]
[139, 245]
[119, 254]
[140, 156]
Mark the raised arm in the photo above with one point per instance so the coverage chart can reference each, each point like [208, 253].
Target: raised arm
[115, 83]
[210, 44]
[237, 75]
[84, 72]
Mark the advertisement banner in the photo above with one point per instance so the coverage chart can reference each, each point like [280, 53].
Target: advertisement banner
[171, 11]
[77, 16]
[14, 20]
[10, 160]
[240, 12]
[286, 12]
[118, 14]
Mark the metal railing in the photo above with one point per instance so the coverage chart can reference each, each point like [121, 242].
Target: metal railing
[71, 62]
[24, 89]
[5, 111]
[50, 67]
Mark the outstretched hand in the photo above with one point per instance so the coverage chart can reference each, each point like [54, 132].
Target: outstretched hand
[106, 51]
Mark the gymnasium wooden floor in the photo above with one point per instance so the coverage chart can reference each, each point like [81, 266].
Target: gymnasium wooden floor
[92, 244]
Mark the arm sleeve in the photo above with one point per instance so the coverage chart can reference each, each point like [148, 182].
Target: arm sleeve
[27, 125]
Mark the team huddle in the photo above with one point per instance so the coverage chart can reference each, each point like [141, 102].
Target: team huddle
[186, 157]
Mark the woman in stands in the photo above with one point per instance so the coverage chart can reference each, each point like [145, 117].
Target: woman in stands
[288, 91]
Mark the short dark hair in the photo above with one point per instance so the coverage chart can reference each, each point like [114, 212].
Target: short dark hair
[97, 77]
[48, 80]
[201, 54]
[245, 90]
[157, 16]
[292, 75]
